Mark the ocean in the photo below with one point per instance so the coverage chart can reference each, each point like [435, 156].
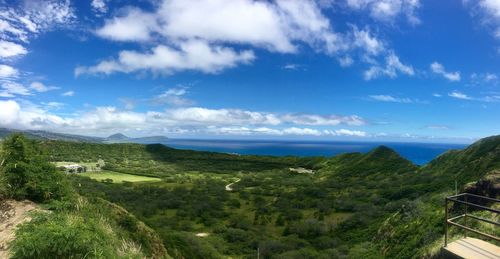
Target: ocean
[418, 153]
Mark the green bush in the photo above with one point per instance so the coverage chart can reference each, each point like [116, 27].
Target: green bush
[63, 236]
[25, 173]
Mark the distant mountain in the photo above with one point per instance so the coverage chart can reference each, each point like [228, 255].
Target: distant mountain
[115, 138]
[121, 138]
[46, 135]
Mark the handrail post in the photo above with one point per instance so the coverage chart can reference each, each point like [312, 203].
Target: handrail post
[465, 218]
[445, 222]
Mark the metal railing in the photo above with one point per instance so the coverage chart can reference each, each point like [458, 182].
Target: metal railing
[466, 215]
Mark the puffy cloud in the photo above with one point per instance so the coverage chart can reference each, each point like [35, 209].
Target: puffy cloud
[8, 72]
[191, 55]
[41, 88]
[388, 10]
[99, 6]
[488, 12]
[103, 120]
[9, 112]
[439, 69]
[393, 66]
[197, 36]
[365, 40]
[10, 49]
[135, 25]
[277, 26]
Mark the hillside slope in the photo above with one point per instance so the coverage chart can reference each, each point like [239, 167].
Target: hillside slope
[70, 225]
[12, 214]
[416, 230]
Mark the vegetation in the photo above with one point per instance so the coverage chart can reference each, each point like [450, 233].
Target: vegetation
[371, 205]
[76, 227]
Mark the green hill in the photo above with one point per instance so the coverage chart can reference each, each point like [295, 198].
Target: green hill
[372, 205]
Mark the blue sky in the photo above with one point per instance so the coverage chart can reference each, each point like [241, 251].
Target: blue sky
[404, 70]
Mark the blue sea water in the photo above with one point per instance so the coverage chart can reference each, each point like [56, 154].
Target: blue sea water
[418, 153]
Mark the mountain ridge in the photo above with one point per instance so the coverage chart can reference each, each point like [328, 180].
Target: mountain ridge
[114, 138]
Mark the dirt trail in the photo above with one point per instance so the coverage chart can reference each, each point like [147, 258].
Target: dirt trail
[228, 187]
[12, 213]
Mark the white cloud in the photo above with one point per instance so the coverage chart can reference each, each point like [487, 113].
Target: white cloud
[173, 96]
[389, 98]
[459, 95]
[291, 131]
[488, 12]
[345, 61]
[11, 89]
[388, 10]
[321, 120]
[68, 93]
[291, 66]
[21, 22]
[483, 79]
[365, 40]
[10, 49]
[277, 26]
[438, 127]
[136, 25]
[104, 120]
[436, 95]
[8, 72]
[191, 55]
[440, 70]
[99, 6]
[33, 17]
[393, 66]
[52, 105]
[9, 112]
[345, 132]
[41, 88]
[490, 77]
[173, 27]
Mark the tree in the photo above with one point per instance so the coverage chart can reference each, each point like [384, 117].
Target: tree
[27, 175]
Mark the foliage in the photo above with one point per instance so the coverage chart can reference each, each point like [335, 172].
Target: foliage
[355, 205]
[63, 235]
[27, 175]
[75, 227]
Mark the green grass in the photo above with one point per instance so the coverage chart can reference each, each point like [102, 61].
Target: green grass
[119, 177]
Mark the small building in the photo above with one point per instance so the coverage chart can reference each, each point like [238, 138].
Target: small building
[73, 168]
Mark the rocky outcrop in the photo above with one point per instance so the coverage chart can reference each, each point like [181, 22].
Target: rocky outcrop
[489, 185]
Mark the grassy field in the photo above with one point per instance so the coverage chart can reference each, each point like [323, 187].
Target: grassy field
[119, 177]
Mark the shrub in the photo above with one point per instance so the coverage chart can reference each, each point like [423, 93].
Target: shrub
[63, 236]
[27, 175]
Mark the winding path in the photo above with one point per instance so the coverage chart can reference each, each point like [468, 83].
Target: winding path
[228, 187]
[12, 213]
